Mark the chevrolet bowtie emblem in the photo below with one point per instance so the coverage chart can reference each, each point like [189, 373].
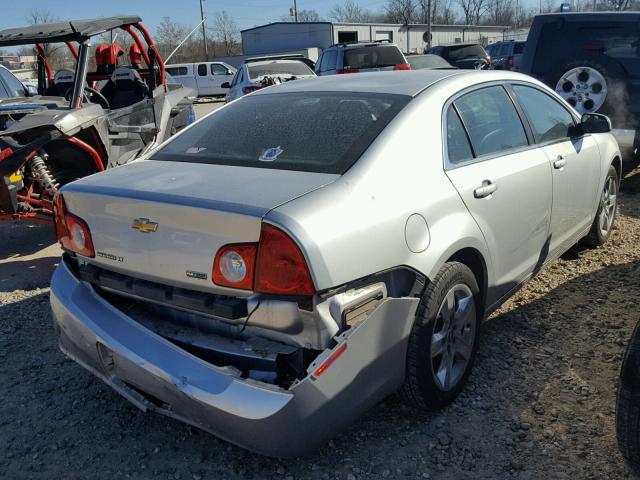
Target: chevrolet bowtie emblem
[144, 225]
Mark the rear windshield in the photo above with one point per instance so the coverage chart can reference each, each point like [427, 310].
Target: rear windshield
[289, 68]
[465, 51]
[373, 57]
[428, 61]
[307, 131]
[177, 71]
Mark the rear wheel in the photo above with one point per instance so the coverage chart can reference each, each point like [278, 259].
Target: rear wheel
[605, 217]
[444, 339]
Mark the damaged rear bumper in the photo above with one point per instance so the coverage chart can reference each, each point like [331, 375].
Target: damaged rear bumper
[157, 375]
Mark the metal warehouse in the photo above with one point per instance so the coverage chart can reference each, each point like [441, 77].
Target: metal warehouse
[412, 38]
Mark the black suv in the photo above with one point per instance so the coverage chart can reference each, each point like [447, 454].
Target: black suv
[462, 55]
[593, 61]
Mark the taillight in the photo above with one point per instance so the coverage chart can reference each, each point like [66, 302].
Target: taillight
[510, 62]
[402, 66]
[347, 70]
[72, 232]
[281, 267]
[274, 265]
[234, 265]
[248, 90]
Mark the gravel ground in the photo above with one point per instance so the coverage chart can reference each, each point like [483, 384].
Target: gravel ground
[539, 404]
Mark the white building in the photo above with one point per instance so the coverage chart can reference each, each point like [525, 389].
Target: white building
[288, 36]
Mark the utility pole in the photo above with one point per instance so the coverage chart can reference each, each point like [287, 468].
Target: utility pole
[204, 32]
[295, 11]
[428, 24]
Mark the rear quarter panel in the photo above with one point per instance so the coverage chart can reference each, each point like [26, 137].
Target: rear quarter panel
[609, 153]
[356, 226]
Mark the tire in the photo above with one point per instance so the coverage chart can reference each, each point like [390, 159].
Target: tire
[426, 386]
[628, 404]
[607, 210]
[606, 88]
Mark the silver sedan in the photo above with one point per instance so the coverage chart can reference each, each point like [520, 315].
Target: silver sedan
[293, 258]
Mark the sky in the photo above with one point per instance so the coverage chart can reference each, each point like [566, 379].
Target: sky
[247, 13]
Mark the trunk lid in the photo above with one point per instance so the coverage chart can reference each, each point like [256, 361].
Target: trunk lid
[189, 209]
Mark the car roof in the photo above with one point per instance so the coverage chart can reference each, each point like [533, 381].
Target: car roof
[363, 44]
[68, 31]
[275, 60]
[408, 82]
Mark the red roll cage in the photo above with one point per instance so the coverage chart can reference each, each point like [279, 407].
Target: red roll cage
[136, 38]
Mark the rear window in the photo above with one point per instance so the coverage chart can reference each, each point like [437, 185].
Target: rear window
[427, 61]
[465, 51]
[518, 48]
[372, 57]
[288, 68]
[176, 71]
[306, 131]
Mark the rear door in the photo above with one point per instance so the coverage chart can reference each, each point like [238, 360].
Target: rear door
[505, 184]
[203, 79]
[575, 163]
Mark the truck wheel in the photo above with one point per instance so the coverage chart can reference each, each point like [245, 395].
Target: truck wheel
[605, 217]
[444, 338]
[628, 404]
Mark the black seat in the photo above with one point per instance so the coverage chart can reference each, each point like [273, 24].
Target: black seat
[124, 88]
[62, 82]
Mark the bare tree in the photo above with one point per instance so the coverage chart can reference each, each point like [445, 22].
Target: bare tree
[303, 16]
[617, 5]
[39, 15]
[446, 14]
[351, 12]
[501, 12]
[169, 34]
[401, 11]
[473, 10]
[58, 55]
[225, 32]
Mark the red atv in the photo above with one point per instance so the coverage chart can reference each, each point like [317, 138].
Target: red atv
[80, 122]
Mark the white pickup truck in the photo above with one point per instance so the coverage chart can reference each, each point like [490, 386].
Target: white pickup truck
[205, 78]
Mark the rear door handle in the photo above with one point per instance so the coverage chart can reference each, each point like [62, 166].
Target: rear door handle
[560, 162]
[487, 188]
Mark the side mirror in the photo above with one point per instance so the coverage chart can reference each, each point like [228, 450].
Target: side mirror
[31, 90]
[230, 72]
[225, 85]
[595, 123]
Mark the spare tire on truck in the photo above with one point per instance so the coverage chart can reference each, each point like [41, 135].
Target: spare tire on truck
[592, 85]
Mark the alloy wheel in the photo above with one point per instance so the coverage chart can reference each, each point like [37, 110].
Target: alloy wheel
[584, 88]
[608, 210]
[453, 337]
